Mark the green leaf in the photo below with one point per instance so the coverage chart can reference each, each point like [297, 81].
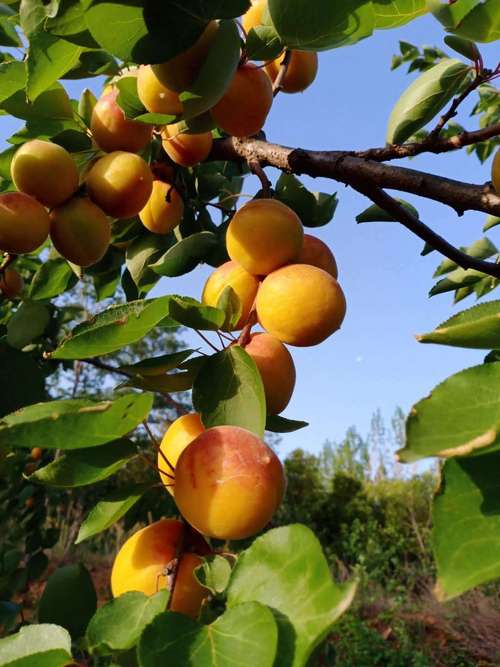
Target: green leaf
[41, 645]
[70, 23]
[326, 205]
[263, 43]
[230, 303]
[32, 13]
[49, 58]
[286, 569]
[69, 599]
[53, 278]
[12, 78]
[479, 21]
[425, 98]
[53, 107]
[109, 510]
[480, 249]
[8, 34]
[460, 416]
[294, 194]
[279, 424]
[185, 255]
[118, 625]
[193, 314]
[158, 365]
[85, 466]
[228, 390]
[113, 329]
[476, 328]
[214, 573]
[163, 384]
[457, 279]
[376, 214]
[128, 97]
[466, 525]
[491, 221]
[463, 46]
[74, 423]
[140, 254]
[393, 13]
[244, 636]
[24, 378]
[27, 324]
[86, 105]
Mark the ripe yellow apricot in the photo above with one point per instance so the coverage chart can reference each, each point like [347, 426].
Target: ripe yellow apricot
[243, 109]
[300, 304]
[253, 16]
[317, 253]
[263, 235]
[244, 284]
[186, 149]
[45, 171]
[24, 223]
[495, 171]
[80, 231]
[120, 183]
[301, 71]
[177, 437]
[228, 483]
[11, 283]
[112, 131]
[155, 96]
[163, 210]
[142, 563]
[276, 368]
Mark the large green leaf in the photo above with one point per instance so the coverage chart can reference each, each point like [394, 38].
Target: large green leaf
[466, 524]
[12, 78]
[286, 570]
[376, 214]
[53, 107]
[113, 329]
[228, 390]
[185, 255]
[460, 416]
[23, 377]
[85, 466]
[425, 98]
[480, 249]
[74, 423]
[158, 365]
[457, 279]
[393, 13]
[478, 327]
[191, 313]
[49, 58]
[69, 599]
[244, 636]
[43, 645]
[478, 20]
[140, 254]
[27, 324]
[54, 277]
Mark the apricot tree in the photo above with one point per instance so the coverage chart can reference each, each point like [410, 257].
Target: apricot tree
[119, 192]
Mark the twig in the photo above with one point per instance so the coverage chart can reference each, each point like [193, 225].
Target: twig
[157, 445]
[280, 77]
[256, 168]
[174, 565]
[207, 341]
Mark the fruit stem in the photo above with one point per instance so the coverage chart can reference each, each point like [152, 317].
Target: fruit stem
[256, 168]
[173, 566]
[244, 337]
[278, 82]
[158, 448]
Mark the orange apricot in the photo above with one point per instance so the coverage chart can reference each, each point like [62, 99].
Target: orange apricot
[317, 253]
[300, 304]
[45, 171]
[244, 284]
[141, 565]
[112, 131]
[228, 483]
[186, 149]
[36, 453]
[80, 231]
[263, 235]
[11, 283]
[301, 71]
[120, 183]
[164, 209]
[243, 109]
[155, 96]
[276, 368]
[177, 437]
[253, 16]
[24, 223]
[495, 171]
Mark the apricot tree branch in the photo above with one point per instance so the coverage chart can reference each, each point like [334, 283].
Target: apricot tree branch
[280, 77]
[256, 168]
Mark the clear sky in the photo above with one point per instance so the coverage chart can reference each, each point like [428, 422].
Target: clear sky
[374, 361]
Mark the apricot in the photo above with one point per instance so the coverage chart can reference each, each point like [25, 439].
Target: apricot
[317, 253]
[186, 149]
[24, 223]
[11, 283]
[120, 183]
[143, 561]
[276, 368]
[228, 483]
[45, 171]
[80, 231]
[253, 16]
[495, 171]
[301, 71]
[300, 304]
[112, 131]
[177, 437]
[181, 71]
[163, 210]
[244, 284]
[243, 109]
[155, 96]
[263, 235]
[36, 453]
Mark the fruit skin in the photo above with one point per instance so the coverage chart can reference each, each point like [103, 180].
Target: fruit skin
[120, 183]
[163, 210]
[80, 231]
[244, 284]
[142, 561]
[301, 71]
[276, 368]
[177, 437]
[300, 304]
[45, 171]
[243, 109]
[112, 131]
[495, 171]
[11, 283]
[36, 453]
[253, 16]
[155, 96]
[228, 483]
[317, 253]
[24, 223]
[186, 149]
[264, 235]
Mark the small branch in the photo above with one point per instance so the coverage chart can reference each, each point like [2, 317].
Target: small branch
[158, 448]
[256, 168]
[173, 567]
[207, 341]
[278, 81]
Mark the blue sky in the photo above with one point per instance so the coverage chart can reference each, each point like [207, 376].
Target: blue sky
[373, 361]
